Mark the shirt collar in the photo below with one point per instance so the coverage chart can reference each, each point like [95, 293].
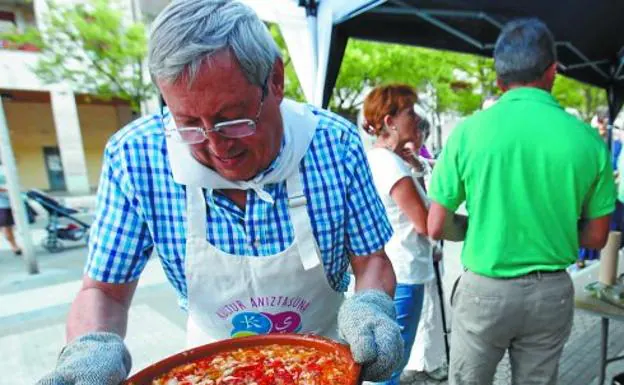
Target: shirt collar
[530, 93]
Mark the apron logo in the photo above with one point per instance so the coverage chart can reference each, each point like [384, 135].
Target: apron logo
[251, 324]
[297, 304]
[250, 317]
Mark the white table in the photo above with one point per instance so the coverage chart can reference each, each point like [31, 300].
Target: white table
[586, 302]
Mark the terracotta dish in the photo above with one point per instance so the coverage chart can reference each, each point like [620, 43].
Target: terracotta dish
[320, 344]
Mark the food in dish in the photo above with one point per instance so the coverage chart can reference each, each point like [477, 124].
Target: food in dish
[263, 365]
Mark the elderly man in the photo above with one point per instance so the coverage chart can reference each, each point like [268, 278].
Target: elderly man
[256, 206]
[528, 172]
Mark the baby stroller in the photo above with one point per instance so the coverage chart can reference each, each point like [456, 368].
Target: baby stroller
[71, 228]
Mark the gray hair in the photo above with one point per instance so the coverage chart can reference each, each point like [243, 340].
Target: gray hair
[188, 32]
[523, 51]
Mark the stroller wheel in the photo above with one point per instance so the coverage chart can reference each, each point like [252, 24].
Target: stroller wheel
[52, 245]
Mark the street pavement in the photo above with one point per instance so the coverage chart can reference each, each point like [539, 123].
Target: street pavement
[33, 309]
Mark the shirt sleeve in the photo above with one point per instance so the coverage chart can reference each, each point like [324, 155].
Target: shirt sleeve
[119, 241]
[368, 228]
[601, 197]
[387, 169]
[447, 185]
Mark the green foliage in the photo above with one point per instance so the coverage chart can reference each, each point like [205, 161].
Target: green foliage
[582, 97]
[447, 81]
[30, 36]
[95, 48]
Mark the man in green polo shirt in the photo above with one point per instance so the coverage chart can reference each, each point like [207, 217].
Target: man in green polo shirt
[537, 183]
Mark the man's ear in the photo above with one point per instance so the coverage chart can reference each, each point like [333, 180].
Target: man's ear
[550, 74]
[501, 85]
[276, 82]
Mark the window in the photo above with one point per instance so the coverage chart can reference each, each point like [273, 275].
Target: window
[7, 21]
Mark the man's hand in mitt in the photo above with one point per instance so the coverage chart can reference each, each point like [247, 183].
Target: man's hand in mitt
[92, 359]
[367, 322]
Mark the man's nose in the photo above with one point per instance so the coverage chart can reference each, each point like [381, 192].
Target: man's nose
[219, 144]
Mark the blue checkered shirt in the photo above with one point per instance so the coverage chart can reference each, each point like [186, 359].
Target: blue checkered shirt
[140, 208]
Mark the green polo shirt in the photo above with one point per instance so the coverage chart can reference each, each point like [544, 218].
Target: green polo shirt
[527, 171]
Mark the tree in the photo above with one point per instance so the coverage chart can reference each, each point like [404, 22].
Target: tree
[368, 64]
[480, 83]
[586, 99]
[94, 47]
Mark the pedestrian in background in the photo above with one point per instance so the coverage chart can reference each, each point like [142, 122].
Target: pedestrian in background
[6, 217]
[427, 359]
[390, 117]
[527, 171]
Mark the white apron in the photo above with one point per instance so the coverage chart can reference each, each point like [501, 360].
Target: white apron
[235, 296]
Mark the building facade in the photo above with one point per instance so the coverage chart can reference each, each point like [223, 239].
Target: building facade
[57, 135]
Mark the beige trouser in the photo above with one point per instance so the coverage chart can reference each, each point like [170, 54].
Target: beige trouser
[531, 316]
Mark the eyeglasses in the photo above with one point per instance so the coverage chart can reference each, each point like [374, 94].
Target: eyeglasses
[234, 129]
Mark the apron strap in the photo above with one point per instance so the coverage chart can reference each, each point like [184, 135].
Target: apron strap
[195, 212]
[304, 236]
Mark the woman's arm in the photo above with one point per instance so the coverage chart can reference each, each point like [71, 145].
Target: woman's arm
[405, 194]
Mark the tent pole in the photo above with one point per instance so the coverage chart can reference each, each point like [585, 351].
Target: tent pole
[610, 105]
[337, 49]
[612, 110]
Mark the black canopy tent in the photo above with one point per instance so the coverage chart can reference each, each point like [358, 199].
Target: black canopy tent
[589, 34]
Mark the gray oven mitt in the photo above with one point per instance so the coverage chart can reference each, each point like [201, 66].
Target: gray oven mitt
[367, 322]
[92, 359]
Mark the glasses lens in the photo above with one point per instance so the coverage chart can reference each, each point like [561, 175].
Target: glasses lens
[238, 129]
[191, 135]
